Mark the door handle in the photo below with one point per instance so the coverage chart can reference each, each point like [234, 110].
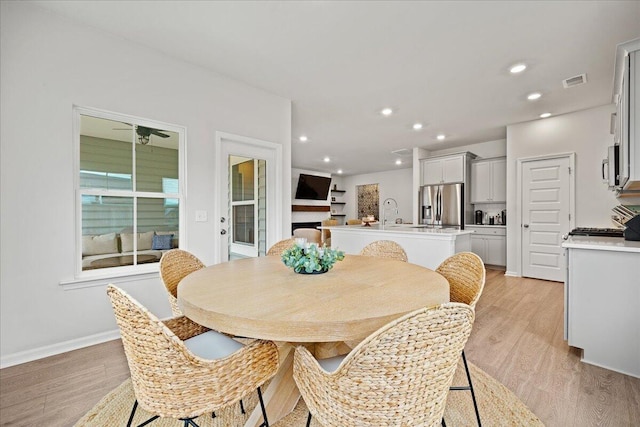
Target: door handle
[525, 225]
[223, 232]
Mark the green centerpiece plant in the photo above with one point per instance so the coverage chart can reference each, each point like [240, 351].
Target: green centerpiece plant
[311, 259]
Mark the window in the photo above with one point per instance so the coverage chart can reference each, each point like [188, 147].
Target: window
[129, 190]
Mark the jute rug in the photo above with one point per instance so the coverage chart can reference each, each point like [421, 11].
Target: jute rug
[498, 407]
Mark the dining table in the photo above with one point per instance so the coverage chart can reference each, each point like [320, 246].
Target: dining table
[328, 313]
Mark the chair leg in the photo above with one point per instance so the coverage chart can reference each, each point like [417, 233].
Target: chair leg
[264, 410]
[443, 423]
[242, 407]
[189, 422]
[309, 419]
[133, 413]
[473, 394]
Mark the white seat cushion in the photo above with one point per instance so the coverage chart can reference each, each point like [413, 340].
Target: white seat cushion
[212, 345]
[332, 363]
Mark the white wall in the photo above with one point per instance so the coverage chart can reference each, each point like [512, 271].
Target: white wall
[396, 184]
[48, 64]
[584, 132]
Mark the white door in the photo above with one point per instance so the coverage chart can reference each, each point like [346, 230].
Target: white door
[546, 195]
[249, 196]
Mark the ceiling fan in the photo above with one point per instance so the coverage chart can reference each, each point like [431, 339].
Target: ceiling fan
[144, 133]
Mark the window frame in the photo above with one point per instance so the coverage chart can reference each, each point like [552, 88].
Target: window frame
[79, 192]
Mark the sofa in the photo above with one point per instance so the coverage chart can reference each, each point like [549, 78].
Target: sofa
[102, 246]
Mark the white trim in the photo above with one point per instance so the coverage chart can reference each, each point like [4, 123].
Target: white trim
[518, 216]
[274, 229]
[53, 349]
[511, 274]
[104, 280]
[89, 278]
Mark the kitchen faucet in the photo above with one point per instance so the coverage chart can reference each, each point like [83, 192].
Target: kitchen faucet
[384, 209]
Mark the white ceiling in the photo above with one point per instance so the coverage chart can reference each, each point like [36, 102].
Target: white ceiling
[444, 64]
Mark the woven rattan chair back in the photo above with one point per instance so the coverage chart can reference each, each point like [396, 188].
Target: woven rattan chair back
[326, 234]
[311, 234]
[466, 275]
[398, 376]
[385, 249]
[280, 246]
[354, 222]
[175, 265]
[170, 381]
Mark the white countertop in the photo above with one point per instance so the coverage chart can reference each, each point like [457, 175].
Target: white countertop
[602, 243]
[402, 228]
[485, 226]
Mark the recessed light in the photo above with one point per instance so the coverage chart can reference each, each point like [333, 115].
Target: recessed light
[340, 171]
[398, 162]
[518, 68]
[417, 126]
[326, 159]
[533, 96]
[545, 115]
[303, 138]
[441, 137]
[386, 111]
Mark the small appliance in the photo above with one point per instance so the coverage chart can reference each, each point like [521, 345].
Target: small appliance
[479, 216]
[504, 217]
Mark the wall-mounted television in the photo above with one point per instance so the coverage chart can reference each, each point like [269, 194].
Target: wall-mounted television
[313, 187]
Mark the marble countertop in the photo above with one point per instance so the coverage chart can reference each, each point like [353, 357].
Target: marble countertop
[602, 243]
[403, 228]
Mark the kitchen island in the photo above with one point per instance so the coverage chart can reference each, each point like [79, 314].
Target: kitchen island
[425, 246]
[602, 295]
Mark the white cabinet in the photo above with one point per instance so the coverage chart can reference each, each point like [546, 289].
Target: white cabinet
[490, 244]
[488, 181]
[442, 170]
[602, 293]
[627, 130]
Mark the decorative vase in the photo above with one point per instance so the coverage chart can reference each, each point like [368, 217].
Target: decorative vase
[303, 271]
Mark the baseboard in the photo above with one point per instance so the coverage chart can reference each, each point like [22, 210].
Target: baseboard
[511, 274]
[53, 349]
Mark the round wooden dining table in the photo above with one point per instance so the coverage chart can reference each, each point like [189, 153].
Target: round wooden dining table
[262, 298]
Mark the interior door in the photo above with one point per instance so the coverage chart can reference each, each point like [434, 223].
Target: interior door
[248, 192]
[546, 195]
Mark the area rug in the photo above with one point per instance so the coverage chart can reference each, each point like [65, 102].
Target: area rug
[498, 407]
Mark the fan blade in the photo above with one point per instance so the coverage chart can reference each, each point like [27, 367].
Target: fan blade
[158, 133]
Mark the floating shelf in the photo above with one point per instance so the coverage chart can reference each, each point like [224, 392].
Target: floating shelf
[338, 191]
[310, 208]
[338, 215]
[338, 203]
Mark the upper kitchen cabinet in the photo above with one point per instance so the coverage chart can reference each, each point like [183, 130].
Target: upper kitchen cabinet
[445, 169]
[627, 129]
[488, 181]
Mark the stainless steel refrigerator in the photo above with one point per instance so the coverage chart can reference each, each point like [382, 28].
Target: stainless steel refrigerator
[442, 205]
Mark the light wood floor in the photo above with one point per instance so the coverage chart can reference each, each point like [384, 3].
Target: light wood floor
[517, 338]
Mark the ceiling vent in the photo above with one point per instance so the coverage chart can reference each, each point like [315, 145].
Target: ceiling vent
[574, 81]
[403, 152]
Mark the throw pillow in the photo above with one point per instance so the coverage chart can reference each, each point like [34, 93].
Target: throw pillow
[162, 242]
[98, 245]
[144, 241]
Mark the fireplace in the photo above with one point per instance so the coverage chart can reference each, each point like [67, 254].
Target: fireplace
[296, 225]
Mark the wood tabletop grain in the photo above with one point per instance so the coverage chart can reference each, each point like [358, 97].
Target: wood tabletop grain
[262, 298]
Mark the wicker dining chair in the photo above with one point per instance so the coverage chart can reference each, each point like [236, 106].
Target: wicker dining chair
[466, 275]
[311, 234]
[280, 246]
[399, 375]
[385, 249]
[354, 222]
[174, 375]
[175, 265]
[326, 233]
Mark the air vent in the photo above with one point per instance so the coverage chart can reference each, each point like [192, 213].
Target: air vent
[403, 152]
[574, 81]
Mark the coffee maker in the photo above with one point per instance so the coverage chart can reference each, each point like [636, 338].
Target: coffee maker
[479, 216]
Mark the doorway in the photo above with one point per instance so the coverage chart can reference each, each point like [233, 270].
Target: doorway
[249, 189]
[547, 212]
